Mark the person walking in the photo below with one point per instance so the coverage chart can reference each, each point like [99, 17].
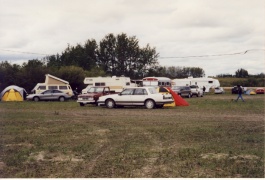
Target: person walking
[239, 92]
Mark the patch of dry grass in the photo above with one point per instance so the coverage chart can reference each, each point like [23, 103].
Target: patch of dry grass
[213, 137]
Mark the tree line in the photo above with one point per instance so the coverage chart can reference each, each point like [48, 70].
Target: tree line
[113, 55]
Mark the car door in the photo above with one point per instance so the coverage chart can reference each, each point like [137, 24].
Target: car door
[124, 98]
[139, 96]
[46, 95]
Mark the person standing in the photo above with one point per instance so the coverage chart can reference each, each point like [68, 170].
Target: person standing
[239, 92]
[203, 89]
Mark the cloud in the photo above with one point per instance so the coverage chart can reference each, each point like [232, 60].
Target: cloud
[174, 27]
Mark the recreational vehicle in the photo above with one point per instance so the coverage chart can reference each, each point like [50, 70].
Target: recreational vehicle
[115, 83]
[52, 83]
[157, 81]
[208, 83]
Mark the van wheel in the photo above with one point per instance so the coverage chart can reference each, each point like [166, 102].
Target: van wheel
[149, 104]
[110, 103]
[61, 99]
[36, 99]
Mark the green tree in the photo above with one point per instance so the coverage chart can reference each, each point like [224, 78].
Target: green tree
[9, 75]
[122, 55]
[32, 72]
[241, 73]
[73, 74]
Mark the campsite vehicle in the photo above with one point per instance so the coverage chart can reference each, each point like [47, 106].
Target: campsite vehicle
[53, 83]
[92, 95]
[157, 81]
[49, 95]
[208, 83]
[136, 96]
[259, 91]
[195, 90]
[219, 90]
[115, 83]
[183, 91]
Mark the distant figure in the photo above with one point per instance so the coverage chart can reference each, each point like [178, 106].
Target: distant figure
[203, 89]
[239, 92]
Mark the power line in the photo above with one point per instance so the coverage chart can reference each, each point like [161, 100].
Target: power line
[24, 52]
[173, 57]
[199, 56]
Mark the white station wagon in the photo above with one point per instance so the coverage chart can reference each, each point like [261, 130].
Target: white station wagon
[136, 96]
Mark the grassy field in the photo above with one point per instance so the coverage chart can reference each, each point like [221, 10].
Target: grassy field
[213, 137]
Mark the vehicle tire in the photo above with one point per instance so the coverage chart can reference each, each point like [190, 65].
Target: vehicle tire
[197, 95]
[149, 104]
[36, 99]
[61, 99]
[110, 103]
[81, 104]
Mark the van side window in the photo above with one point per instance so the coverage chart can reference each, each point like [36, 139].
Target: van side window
[42, 87]
[63, 87]
[52, 87]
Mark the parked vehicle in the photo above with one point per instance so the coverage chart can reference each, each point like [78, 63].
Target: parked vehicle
[183, 91]
[234, 90]
[93, 94]
[53, 83]
[49, 95]
[115, 83]
[137, 96]
[196, 90]
[157, 81]
[208, 83]
[219, 90]
[259, 91]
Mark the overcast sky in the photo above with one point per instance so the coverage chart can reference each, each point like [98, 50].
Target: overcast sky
[180, 29]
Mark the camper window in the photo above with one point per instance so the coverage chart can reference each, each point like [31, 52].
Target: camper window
[100, 84]
[210, 82]
[52, 87]
[62, 87]
[127, 84]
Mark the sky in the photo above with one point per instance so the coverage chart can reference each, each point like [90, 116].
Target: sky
[219, 36]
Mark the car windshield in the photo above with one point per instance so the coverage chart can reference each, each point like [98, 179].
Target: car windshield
[152, 90]
[95, 89]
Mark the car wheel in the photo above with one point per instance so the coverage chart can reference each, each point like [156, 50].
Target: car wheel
[149, 104]
[110, 103]
[61, 99]
[36, 99]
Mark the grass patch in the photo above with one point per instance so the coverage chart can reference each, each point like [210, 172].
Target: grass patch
[213, 137]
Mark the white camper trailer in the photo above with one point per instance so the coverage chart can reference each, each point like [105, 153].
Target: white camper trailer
[52, 82]
[157, 81]
[208, 83]
[114, 83]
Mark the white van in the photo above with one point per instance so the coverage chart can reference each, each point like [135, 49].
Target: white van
[51, 83]
[40, 87]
